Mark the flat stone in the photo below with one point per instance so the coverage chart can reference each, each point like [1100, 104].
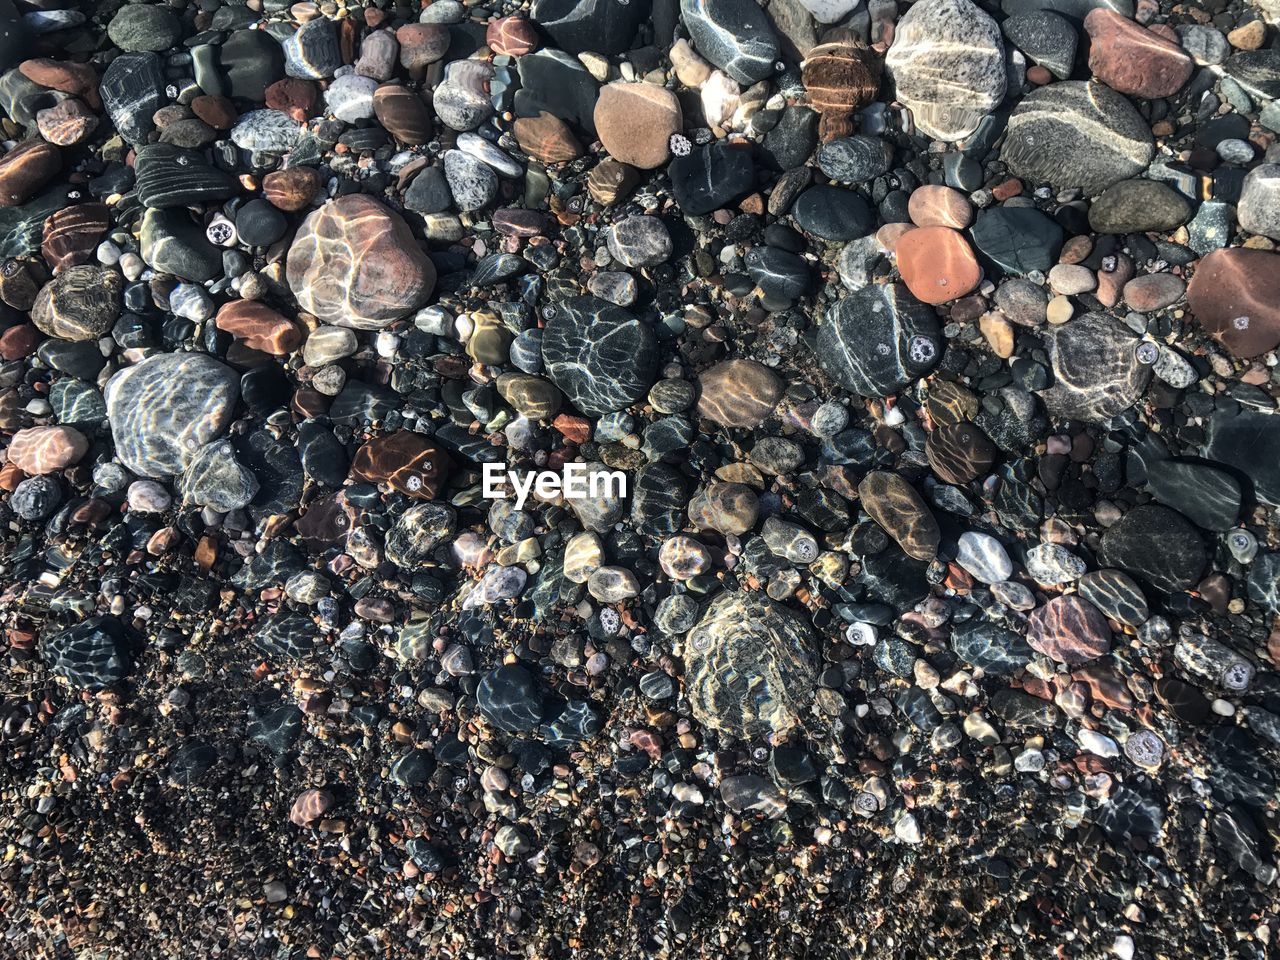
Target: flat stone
[132, 90]
[312, 53]
[140, 27]
[984, 557]
[403, 113]
[834, 213]
[1132, 59]
[735, 35]
[738, 393]
[599, 355]
[1096, 370]
[1235, 294]
[40, 450]
[937, 264]
[636, 121]
[1208, 497]
[750, 666]
[259, 327]
[92, 654]
[1116, 596]
[1015, 241]
[408, 462]
[1076, 134]
[598, 26]
[947, 63]
[166, 407]
[894, 504]
[878, 340]
[1046, 38]
[355, 263]
[639, 241]
[959, 452]
[1138, 206]
[1069, 630]
[25, 169]
[171, 242]
[1157, 546]
[710, 177]
[71, 235]
[168, 176]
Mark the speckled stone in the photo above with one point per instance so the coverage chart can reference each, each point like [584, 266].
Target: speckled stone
[355, 263]
[947, 63]
[750, 666]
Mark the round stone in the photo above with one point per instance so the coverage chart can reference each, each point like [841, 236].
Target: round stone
[1096, 368]
[509, 698]
[1069, 630]
[1235, 294]
[1128, 57]
[354, 263]
[878, 340]
[600, 356]
[1138, 206]
[937, 264]
[750, 666]
[163, 409]
[1077, 134]
[728, 508]
[80, 303]
[635, 122]
[738, 393]
[40, 450]
[639, 241]
[984, 557]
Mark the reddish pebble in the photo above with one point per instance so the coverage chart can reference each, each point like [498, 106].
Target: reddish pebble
[40, 450]
[19, 342]
[1153, 292]
[309, 807]
[217, 112]
[408, 461]
[546, 138]
[25, 169]
[77, 79]
[66, 123]
[259, 327]
[1039, 75]
[72, 234]
[511, 36]
[938, 206]
[937, 264]
[292, 188]
[1235, 294]
[1069, 630]
[295, 97]
[1132, 59]
[422, 44]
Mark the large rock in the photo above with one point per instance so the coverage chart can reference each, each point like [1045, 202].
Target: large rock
[80, 303]
[1235, 294]
[165, 408]
[750, 666]
[1096, 369]
[735, 35]
[603, 358]
[91, 655]
[947, 64]
[354, 263]
[1077, 134]
[879, 339]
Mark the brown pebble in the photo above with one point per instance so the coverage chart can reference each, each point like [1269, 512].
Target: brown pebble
[1235, 294]
[1132, 59]
[293, 96]
[937, 264]
[25, 169]
[292, 188]
[408, 461]
[217, 112]
[738, 393]
[933, 205]
[403, 114]
[259, 327]
[72, 234]
[511, 36]
[635, 122]
[546, 138]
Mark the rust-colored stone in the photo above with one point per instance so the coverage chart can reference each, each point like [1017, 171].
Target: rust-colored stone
[25, 169]
[292, 188]
[1235, 294]
[293, 96]
[402, 113]
[635, 122]
[259, 327]
[77, 79]
[841, 77]
[409, 462]
[1069, 630]
[547, 138]
[511, 36]
[40, 450]
[72, 235]
[937, 264]
[1132, 59]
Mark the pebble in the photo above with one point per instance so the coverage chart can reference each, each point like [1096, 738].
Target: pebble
[355, 263]
[738, 393]
[636, 121]
[1132, 59]
[947, 63]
